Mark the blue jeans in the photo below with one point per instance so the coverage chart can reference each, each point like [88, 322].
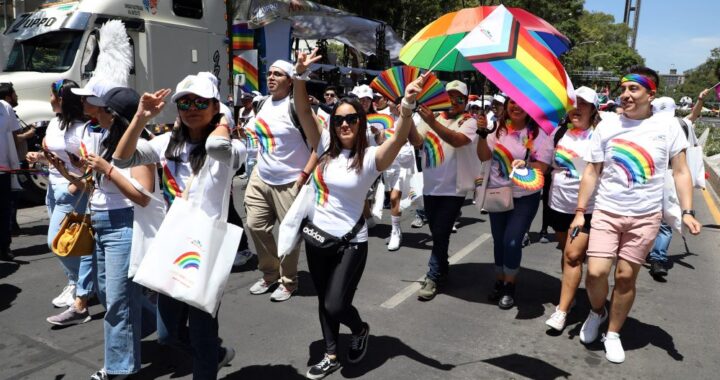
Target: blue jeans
[441, 213]
[192, 330]
[122, 297]
[508, 229]
[59, 203]
[662, 243]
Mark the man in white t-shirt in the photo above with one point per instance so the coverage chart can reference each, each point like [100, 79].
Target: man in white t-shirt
[9, 128]
[284, 162]
[440, 136]
[628, 158]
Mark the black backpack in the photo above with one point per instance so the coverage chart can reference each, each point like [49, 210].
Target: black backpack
[293, 116]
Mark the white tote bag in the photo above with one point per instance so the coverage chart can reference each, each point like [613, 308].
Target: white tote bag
[415, 191]
[192, 255]
[289, 232]
[379, 200]
[147, 220]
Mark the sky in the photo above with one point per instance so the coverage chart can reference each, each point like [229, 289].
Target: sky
[679, 33]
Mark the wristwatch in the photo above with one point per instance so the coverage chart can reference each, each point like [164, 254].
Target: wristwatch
[688, 212]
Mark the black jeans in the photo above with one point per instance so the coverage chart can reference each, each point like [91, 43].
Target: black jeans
[336, 274]
[234, 218]
[441, 212]
[5, 213]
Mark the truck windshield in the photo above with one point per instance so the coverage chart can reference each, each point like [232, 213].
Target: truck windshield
[51, 52]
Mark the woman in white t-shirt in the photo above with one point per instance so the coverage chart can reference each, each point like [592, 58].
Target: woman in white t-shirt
[202, 141]
[572, 141]
[346, 169]
[518, 142]
[62, 139]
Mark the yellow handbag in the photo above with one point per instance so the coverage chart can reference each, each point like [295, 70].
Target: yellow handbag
[76, 236]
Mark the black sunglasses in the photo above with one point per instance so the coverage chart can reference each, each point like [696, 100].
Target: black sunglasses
[351, 119]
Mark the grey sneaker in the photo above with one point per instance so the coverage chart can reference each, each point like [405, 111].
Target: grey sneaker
[71, 316]
[66, 297]
[261, 287]
[242, 257]
[418, 222]
[281, 294]
[428, 290]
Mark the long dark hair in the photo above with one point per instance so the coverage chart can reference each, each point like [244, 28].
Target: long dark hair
[504, 118]
[357, 153]
[71, 108]
[181, 135]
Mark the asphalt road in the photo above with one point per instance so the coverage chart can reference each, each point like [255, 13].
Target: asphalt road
[672, 331]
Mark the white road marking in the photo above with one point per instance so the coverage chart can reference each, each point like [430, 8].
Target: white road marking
[402, 295]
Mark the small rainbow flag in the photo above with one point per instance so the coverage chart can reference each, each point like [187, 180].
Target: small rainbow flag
[521, 65]
[391, 84]
[434, 155]
[246, 63]
[188, 260]
[170, 187]
[635, 161]
[380, 120]
[83, 150]
[503, 157]
[265, 138]
[242, 37]
[564, 159]
[322, 192]
[530, 179]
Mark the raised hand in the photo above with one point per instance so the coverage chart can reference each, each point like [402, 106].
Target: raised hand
[304, 60]
[152, 104]
[413, 89]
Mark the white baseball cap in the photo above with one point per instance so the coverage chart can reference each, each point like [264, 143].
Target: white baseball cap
[362, 91]
[95, 87]
[285, 66]
[475, 103]
[588, 94]
[664, 104]
[458, 86]
[499, 98]
[198, 85]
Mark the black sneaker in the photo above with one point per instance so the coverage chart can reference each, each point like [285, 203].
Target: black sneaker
[508, 296]
[6, 254]
[358, 345]
[657, 269]
[496, 293]
[324, 368]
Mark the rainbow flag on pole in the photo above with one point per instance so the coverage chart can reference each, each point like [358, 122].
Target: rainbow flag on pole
[521, 66]
[243, 38]
[246, 63]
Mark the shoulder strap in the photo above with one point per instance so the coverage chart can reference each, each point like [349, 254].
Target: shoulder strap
[356, 228]
[684, 126]
[293, 116]
[559, 134]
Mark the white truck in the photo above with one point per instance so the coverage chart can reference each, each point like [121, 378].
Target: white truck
[170, 39]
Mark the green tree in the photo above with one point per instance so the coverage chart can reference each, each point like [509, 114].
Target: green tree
[700, 78]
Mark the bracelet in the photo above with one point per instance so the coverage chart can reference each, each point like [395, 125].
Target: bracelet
[580, 209]
[407, 105]
[305, 76]
[110, 171]
[482, 132]
[304, 174]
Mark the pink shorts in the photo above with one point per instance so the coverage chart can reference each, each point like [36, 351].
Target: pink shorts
[627, 237]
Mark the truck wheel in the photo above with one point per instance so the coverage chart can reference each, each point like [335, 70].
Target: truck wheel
[34, 188]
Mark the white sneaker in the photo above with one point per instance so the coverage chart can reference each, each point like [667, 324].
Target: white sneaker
[557, 320]
[589, 330]
[242, 257]
[66, 298]
[261, 287]
[281, 294]
[613, 347]
[395, 240]
[544, 238]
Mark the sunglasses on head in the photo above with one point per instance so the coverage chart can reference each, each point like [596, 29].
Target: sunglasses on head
[184, 104]
[276, 74]
[351, 119]
[57, 86]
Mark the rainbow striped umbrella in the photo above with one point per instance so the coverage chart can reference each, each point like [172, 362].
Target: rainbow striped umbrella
[433, 47]
[521, 66]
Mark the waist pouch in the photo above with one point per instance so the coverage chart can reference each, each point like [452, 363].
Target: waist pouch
[318, 238]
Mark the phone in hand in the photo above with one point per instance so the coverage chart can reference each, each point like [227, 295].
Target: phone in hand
[73, 156]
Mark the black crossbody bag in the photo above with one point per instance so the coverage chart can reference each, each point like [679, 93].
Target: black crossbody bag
[318, 238]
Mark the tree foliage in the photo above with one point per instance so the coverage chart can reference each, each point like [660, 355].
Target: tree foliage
[700, 78]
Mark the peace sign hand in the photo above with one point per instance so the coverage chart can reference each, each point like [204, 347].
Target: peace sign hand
[152, 104]
[304, 61]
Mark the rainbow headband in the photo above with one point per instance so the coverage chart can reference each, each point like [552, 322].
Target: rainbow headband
[640, 79]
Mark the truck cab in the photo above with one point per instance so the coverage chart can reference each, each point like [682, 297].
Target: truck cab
[59, 40]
